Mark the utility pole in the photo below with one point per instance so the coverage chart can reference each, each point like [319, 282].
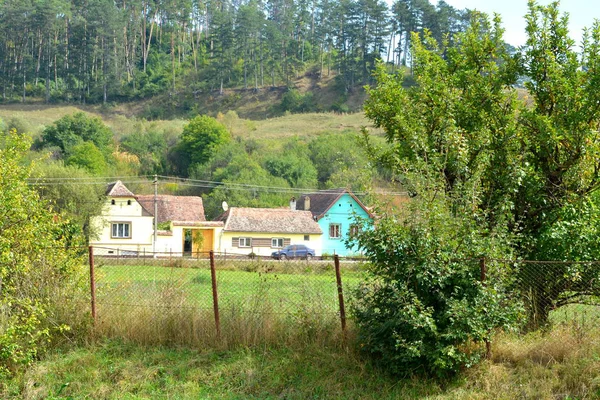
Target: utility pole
[155, 214]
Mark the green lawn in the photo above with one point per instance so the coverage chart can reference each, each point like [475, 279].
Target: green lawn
[264, 302]
[144, 285]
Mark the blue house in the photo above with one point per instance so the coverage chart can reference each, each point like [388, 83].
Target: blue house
[335, 211]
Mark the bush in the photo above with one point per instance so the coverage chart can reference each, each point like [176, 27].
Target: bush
[295, 102]
[42, 285]
[423, 308]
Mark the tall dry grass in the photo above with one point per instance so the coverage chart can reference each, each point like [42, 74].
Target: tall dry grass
[562, 362]
[167, 317]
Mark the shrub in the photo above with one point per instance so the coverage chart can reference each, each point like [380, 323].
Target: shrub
[41, 278]
[423, 308]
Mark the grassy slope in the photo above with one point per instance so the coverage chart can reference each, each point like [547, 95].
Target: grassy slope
[36, 117]
[561, 364]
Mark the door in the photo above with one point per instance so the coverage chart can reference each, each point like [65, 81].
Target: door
[187, 242]
[203, 243]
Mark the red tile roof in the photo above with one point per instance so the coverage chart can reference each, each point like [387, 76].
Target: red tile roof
[174, 208]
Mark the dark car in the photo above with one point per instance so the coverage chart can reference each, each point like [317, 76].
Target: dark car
[293, 251]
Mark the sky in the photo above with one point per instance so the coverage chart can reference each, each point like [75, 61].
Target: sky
[581, 14]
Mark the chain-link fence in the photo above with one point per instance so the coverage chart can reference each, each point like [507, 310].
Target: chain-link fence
[215, 293]
[194, 296]
[554, 291]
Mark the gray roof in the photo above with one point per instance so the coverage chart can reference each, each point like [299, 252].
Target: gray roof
[174, 208]
[269, 220]
[321, 201]
[118, 189]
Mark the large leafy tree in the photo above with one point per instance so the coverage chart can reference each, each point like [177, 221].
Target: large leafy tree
[505, 170]
[199, 140]
[73, 130]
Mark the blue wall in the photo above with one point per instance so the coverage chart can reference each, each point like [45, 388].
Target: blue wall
[343, 213]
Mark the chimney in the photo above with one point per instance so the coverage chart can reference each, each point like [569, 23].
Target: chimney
[293, 204]
[306, 203]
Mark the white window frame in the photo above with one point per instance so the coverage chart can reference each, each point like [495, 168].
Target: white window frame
[336, 227]
[120, 230]
[277, 243]
[354, 230]
[245, 242]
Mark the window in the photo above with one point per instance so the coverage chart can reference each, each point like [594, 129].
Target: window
[277, 243]
[121, 230]
[245, 242]
[306, 238]
[128, 202]
[335, 231]
[113, 202]
[354, 230]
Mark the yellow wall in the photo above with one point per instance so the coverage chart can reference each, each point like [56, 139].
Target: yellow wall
[225, 242]
[142, 230]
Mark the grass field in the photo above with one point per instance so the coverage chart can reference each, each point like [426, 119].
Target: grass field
[298, 287]
[33, 118]
[558, 364]
[260, 302]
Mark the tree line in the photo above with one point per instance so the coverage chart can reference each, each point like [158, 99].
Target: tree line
[116, 50]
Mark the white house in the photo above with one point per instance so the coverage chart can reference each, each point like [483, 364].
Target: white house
[127, 224]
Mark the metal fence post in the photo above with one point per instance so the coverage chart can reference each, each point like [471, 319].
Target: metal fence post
[92, 283]
[338, 277]
[483, 277]
[213, 275]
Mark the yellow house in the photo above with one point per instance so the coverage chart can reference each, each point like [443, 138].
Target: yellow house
[262, 231]
[126, 225]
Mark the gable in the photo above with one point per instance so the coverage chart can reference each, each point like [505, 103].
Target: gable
[320, 203]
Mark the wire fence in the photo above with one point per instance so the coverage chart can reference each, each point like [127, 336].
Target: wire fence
[154, 286]
[217, 293]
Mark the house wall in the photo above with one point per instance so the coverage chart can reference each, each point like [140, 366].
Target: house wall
[225, 242]
[343, 213]
[141, 226]
[176, 242]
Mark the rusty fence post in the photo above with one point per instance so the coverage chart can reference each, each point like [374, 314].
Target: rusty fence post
[483, 277]
[338, 277]
[92, 283]
[213, 275]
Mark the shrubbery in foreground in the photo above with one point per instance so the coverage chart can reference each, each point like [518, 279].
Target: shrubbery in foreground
[41, 280]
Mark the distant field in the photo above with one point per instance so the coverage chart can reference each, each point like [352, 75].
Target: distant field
[259, 290]
[36, 116]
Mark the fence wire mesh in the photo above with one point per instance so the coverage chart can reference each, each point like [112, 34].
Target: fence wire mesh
[151, 290]
[156, 286]
[555, 291]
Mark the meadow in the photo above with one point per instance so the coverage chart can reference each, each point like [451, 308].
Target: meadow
[260, 301]
[34, 117]
[280, 338]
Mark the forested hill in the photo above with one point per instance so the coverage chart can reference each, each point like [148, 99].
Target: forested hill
[178, 51]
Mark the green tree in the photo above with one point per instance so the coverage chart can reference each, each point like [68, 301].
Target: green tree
[333, 153]
[42, 285]
[72, 130]
[68, 191]
[200, 139]
[150, 146]
[501, 168]
[87, 156]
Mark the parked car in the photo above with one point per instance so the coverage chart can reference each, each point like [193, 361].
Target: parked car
[293, 251]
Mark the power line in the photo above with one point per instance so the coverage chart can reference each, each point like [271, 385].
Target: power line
[206, 184]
